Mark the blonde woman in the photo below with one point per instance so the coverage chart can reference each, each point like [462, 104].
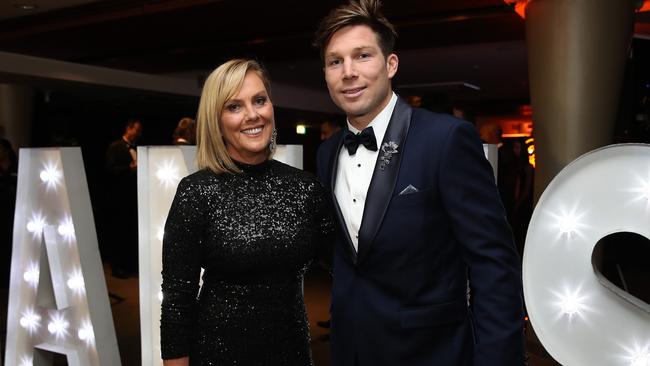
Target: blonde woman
[253, 223]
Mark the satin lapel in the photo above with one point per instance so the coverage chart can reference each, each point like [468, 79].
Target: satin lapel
[384, 177]
[337, 209]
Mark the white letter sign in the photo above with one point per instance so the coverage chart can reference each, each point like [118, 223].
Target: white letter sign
[58, 301]
[580, 316]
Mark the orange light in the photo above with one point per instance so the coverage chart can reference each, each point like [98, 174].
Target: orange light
[523, 134]
[520, 6]
[644, 7]
[531, 151]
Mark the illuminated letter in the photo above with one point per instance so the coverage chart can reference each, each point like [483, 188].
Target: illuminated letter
[58, 300]
[579, 316]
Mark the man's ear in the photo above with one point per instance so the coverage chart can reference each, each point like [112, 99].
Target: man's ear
[392, 62]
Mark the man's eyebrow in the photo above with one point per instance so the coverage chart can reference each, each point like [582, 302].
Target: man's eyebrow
[331, 54]
[356, 49]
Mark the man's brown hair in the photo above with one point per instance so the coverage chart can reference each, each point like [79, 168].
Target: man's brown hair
[357, 12]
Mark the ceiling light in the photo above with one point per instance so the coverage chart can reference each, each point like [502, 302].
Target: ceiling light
[26, 7]
[301, 129]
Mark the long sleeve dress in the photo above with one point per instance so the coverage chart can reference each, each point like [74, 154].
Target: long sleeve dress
[255, 234]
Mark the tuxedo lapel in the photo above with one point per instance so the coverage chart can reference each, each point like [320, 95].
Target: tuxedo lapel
[337, 209]
[384, 177]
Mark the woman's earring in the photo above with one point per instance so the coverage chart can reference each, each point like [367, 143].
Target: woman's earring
[274, 139]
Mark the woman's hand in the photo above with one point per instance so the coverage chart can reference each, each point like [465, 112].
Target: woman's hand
[185, 361]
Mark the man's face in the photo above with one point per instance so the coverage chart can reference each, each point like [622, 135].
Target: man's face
[133, 133]
[357, 73]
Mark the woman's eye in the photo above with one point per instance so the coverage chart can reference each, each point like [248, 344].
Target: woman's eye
[260, 100]
[232, 107]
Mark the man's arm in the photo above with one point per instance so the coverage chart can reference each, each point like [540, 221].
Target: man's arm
[479, 224]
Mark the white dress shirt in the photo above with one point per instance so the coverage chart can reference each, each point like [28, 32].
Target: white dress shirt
[354, 173]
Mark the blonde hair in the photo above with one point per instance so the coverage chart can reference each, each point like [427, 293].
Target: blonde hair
[222, 84]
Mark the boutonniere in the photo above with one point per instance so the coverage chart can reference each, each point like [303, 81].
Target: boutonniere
[387, 150]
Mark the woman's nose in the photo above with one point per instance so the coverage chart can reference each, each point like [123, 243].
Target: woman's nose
[251, 113]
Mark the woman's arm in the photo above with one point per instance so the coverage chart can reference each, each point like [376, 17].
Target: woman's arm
[324, 228]
[180, 272]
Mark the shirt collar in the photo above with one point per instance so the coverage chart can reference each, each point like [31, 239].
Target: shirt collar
[127, 141]
[380, 122]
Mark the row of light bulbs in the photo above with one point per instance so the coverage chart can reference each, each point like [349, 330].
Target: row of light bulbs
[57, 325]
[75, 279]
[572, 303]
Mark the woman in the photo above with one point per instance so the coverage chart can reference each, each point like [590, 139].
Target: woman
[254, 225]
[185, 132]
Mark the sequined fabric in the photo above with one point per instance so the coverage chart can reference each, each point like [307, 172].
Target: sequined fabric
[255, 234]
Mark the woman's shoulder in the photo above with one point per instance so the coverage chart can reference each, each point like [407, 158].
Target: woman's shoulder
[200, 178]
[297, 175]
[286, 169]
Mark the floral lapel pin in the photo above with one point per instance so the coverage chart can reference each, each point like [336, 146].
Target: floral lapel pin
[387, 150]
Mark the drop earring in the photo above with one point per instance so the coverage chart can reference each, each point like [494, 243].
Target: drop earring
[273, 142]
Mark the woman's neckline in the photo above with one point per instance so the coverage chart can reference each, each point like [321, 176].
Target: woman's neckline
[253, 168]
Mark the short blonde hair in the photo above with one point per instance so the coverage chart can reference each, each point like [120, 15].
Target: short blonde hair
[222, 84]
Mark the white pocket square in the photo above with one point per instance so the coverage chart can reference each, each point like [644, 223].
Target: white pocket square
[408, 190]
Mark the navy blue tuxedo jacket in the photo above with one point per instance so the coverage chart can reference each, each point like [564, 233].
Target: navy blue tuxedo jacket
[402, 299]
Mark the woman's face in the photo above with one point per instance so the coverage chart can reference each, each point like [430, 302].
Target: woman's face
[247, 122]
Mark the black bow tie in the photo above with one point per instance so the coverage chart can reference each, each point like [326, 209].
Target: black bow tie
[365, 138]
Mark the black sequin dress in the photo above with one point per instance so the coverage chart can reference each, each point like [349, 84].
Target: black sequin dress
[255, 234]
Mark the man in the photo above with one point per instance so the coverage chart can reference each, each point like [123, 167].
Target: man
[121, 154]
[328, 129]
[121, 165]
[421, 224]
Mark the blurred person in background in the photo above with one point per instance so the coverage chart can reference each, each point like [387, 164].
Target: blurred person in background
[122, 203]
[185, 132]
[328, 128]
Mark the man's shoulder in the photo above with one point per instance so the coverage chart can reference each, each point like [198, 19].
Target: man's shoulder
[431, 130]
[119, 143]
[423, 118]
